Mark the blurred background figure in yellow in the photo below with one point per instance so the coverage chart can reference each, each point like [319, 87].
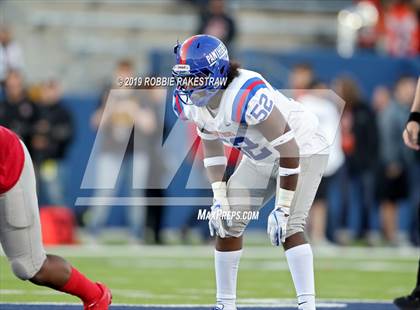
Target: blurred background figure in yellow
[127, 110]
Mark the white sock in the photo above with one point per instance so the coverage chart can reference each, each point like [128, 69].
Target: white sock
[300, 260]
[226, 265]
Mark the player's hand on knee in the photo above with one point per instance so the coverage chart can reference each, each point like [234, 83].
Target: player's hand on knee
[216, 221]
[219, 210]
[277, 223]
[219, 213]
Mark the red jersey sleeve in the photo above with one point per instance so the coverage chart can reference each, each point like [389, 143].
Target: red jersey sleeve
[12, 159]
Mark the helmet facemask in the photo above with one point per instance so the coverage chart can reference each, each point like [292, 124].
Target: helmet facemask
[195, 87]
[197, 84]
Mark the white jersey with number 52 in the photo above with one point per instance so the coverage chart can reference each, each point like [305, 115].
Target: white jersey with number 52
[247, 101]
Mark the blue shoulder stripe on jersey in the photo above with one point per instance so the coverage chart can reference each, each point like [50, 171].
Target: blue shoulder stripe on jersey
[246, 92]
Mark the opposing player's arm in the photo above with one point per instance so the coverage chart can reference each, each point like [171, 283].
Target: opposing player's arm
[411, 133]
[416, 103]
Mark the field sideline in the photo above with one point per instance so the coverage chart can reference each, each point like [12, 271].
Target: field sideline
[179, 275]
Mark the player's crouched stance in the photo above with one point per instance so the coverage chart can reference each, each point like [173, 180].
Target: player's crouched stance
[284, 155]
[20, 230]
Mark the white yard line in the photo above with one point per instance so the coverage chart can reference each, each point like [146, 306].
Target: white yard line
[254, 258]
[251, 302]
[269, 264]
[253, 252]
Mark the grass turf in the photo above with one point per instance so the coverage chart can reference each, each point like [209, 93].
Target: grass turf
[184, 275]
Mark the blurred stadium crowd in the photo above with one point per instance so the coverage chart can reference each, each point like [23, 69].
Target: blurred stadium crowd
[370, 192]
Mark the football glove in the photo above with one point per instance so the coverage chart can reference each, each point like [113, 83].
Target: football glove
[219, 210]
[277, 223]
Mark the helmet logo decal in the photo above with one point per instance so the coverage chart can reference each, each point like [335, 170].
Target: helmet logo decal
[218, 52]
[181, 68]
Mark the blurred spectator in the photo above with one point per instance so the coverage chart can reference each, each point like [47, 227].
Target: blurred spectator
[396, 160]
[401, 29]
[51, 135]
[359, 136]
[369, 34]
[216, 22]
[17, 111]
[328, 113]
[155, 99]
[11, 56]
[125, 110]
[301, 79]
[358, 25]
[380, 99]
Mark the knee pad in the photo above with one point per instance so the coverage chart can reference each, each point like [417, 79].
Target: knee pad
[24, 269]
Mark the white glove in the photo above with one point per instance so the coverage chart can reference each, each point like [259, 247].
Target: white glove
[219, 210]
[277, 223]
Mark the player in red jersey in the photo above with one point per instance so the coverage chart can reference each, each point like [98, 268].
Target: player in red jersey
[20, 230]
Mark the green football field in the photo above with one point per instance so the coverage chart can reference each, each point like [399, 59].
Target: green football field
[184, 274]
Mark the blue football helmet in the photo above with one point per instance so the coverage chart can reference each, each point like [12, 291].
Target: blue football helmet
[205, 58]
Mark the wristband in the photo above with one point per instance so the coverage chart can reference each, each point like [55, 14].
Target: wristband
[219, 189]
[284, 172]
[215, 161]
[284, 198]
[414, 117]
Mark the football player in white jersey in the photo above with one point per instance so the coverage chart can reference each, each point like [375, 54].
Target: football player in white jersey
[284, 154]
